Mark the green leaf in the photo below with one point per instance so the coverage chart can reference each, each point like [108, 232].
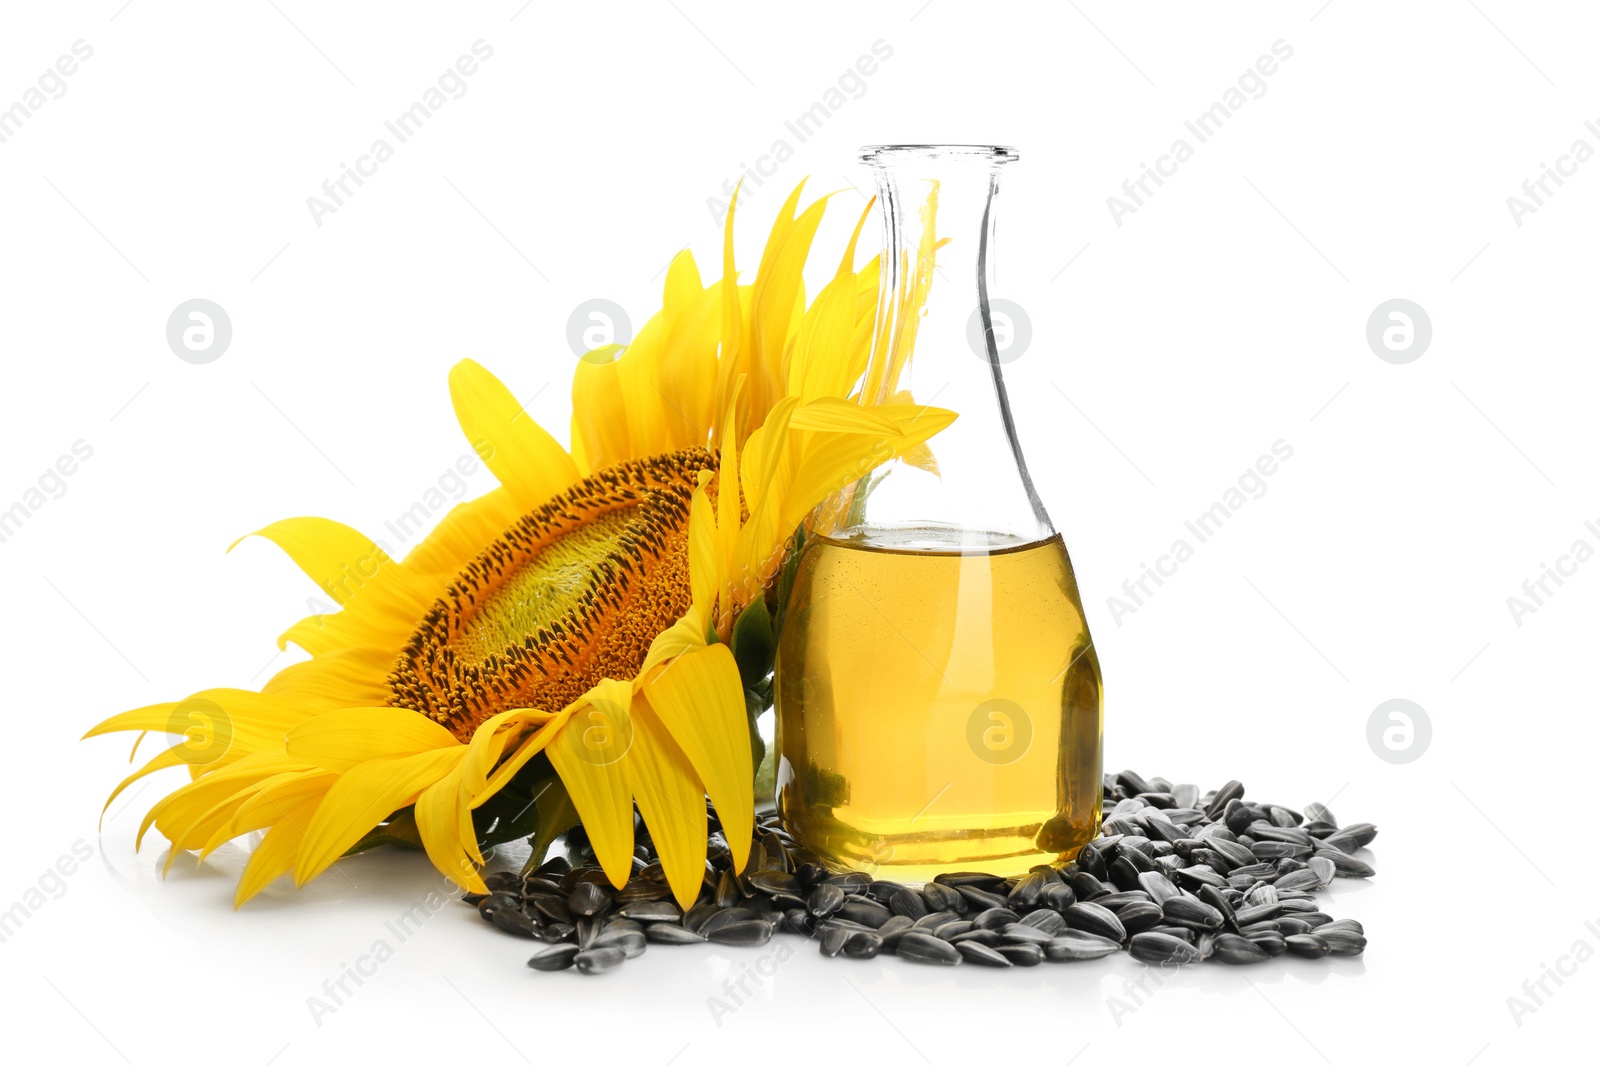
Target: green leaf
[556, 815]
[400, 830]
[753, 643]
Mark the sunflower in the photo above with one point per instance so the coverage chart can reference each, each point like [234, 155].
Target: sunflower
[591, 636]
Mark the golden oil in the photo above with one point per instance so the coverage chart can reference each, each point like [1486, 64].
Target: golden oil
[939, 704]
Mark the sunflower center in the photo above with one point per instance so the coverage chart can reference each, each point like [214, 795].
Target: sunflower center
[543, 590]
[570, 594]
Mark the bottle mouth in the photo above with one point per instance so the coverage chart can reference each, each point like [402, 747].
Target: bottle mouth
[900, 154]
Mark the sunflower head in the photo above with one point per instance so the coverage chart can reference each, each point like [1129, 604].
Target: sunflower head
[572, 593]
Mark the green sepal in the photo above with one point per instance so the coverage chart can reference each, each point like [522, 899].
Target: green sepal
[400, 830]
[753, 644]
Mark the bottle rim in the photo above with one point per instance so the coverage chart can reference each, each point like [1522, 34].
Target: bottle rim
[897, 154]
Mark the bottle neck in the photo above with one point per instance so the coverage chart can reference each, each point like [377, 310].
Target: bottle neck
[935, 344]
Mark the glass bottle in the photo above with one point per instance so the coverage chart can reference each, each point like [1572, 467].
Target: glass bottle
[938, 695]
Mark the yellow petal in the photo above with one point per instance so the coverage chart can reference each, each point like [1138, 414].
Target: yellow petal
[671, 800]
[361, 798]
[600, 411]
[337, 557]
[700, 700]
[275, 854]
[587, 753]
[522, 456]
[444, 821]
[343, 739]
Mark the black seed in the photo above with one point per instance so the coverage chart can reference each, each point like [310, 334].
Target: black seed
[1189, 912]
[1158, 949]
[1139, 916]
[1095, 919]
[587, 900]
[865, 911]
[1231, 790]
[1021, 933]
[832, 940]
[1307, 946]
[630, 943]
[1079, 946]
[598, 960]
[997, 918]
[942, 897]
[1132, 782]
[742, 934]
[671, 933]
[1268, 940]
[658, 910]
[908, 903]
[1237, 950]
[1021, 954]
[1342, 942]
[919, 946]
[551, 959]
[515, 921]
[1048, 921]
[979, 954]
[863, 945]
[826, 899]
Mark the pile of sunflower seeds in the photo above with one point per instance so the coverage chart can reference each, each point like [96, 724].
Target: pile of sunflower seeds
[1175, 877]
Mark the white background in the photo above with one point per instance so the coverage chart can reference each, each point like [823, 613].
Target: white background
[1168, 353]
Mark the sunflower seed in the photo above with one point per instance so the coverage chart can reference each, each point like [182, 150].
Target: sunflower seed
[741, 933]
[1096, 920]
[1021, 933]
[1189, 912]
[919, 946]
[1139, 916]
[551, 959]
[832, 940]
[892, 929]
[1079, 946]
[659, 910]
[1272, 942]
[598, 960]
[1307, 946]
[1185, 796]
[1047, 921]
[1229, 791]
[941, 897]
[1158, 887]
[1342, 942]
[1324, 868]
[1157, 949]
[908, 903]
[516, 922]
[630, 943]
[826, 899]
[952, 929]
[1263, 912]
[1347, 866]
[1022, 954]
[1301, 880]
[979, 954]
[671, 933]
[587, 900]
[997, 918]
[865, 911]
[863, 945]
[1318, 812]
[1352, 838]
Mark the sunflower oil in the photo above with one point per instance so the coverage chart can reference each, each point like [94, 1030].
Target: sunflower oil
[939, 703]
